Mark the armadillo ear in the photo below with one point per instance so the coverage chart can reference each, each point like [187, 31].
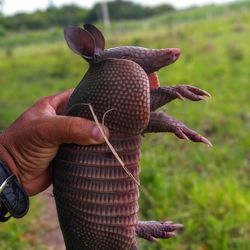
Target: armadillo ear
[80, 41]
[98, 36]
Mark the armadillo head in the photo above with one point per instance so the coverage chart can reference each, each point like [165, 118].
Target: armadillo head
[119, 79]
[91, 46]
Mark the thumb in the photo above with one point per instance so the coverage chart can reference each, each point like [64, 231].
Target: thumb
[67, 129]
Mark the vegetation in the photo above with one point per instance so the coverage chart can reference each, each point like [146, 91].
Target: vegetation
[73, 15]
[123, 10]
[20, 234]
[205, 189]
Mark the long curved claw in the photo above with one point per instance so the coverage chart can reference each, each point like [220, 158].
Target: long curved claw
[183, 132]
[162, 95]
[190, 92]
[153, 230]
[160, 122]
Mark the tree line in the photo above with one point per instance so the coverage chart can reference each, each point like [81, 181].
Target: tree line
[75, 15]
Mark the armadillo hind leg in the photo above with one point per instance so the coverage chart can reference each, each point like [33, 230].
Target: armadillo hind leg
[163, 95]
[160, 122]
[152, 230]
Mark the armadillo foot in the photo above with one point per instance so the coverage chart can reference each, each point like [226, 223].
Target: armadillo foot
[163, 95]
[153, 230]
[160, 122]
[189, 92]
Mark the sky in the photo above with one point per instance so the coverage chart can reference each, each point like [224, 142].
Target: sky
[13, 6]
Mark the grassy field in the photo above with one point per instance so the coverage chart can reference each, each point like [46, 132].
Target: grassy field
[205, 189]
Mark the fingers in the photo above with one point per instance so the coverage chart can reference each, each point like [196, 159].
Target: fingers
[50, 105]
[57, 101]
[57, 129]
[66, 129]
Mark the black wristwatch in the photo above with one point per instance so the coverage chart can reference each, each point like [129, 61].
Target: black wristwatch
[14, 200]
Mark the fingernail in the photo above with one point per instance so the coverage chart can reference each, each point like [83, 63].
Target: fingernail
[97, 135]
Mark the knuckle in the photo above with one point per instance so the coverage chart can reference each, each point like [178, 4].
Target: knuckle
[71, 128]
[75, 131]
[44, 99]
[42, 103]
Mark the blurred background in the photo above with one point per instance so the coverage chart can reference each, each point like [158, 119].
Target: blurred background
[208, 190]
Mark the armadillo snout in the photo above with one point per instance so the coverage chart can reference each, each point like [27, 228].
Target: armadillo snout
[150, 60]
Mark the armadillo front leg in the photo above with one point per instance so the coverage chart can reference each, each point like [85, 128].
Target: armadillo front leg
[160, 122]
[162, 95]
[151, 230]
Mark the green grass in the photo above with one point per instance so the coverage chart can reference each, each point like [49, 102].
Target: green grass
[205, 189]
[25, 233]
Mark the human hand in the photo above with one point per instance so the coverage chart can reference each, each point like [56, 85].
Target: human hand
[32, 141]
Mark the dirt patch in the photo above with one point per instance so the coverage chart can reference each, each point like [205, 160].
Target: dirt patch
[53, 239]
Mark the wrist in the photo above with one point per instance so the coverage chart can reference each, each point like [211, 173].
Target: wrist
[7, 157]
[14, 200]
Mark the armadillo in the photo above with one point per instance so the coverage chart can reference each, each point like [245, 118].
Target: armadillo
[97, 201]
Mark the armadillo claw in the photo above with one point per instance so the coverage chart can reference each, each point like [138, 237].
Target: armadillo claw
[190, 92]
[161, 122]
[186, 133]
[153, 230]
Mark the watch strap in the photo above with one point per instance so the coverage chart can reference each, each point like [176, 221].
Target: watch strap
[14, 200]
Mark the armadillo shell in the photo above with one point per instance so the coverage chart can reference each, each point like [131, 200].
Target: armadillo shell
[116, 89]
[97, 202]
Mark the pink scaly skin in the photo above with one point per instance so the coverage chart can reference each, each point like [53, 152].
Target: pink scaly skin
[97, 201]
[153, 230]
